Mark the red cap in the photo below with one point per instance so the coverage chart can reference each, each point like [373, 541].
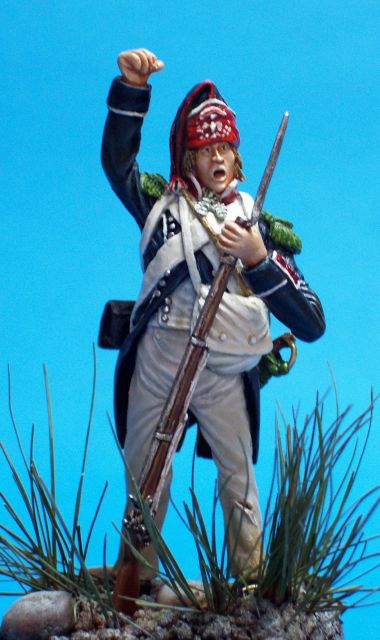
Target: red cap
[209, 123]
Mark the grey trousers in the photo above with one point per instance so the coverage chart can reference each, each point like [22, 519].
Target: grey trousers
[219, 406]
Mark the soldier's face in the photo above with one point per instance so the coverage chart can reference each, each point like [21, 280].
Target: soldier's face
[214, 166]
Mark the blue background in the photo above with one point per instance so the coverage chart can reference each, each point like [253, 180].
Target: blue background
[68, 245]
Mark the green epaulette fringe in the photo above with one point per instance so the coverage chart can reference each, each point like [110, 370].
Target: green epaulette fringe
[281, 233]
[153, 184]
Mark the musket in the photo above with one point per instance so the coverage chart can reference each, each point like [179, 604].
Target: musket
[174, 415]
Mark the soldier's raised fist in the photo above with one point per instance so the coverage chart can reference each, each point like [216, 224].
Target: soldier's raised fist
[136, 65]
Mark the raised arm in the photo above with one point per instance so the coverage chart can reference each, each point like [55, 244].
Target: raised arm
[128, 103]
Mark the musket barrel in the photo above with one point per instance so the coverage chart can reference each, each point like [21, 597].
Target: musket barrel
[267, 175]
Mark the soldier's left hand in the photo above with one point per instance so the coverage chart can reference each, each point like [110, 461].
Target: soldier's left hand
[246, 244]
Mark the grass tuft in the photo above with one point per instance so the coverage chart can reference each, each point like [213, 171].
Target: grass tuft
[39, 550]
[315, 535]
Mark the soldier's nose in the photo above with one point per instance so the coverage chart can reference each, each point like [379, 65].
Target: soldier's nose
[217, 156]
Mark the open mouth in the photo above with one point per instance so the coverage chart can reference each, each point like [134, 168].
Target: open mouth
[218, 174]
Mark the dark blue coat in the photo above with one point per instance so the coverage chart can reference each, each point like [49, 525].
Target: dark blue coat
[293, 303]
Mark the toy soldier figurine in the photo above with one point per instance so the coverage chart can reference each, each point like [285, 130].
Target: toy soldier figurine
[186, 225]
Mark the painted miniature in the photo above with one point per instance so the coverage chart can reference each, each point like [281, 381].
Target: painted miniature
[186, 225]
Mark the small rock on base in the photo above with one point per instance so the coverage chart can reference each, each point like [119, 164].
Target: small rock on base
[39, 615]
[167, 596]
